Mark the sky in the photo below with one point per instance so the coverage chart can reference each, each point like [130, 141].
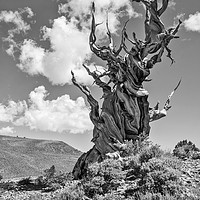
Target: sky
[43, 40]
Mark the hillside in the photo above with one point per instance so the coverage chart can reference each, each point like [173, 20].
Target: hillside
[20, 157]
[142, 171]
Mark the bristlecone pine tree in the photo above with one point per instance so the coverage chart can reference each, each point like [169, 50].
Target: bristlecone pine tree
[125, 113]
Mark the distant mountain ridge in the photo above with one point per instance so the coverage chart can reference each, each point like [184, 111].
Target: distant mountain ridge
[21, 157]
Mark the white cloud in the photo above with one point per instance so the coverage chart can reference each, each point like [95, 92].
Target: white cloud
[180, 16]
[172, 4]
[16, 19]
[9, 112]
[31, 58]
[7, 130]
[70, 49]
[115, 8]
[59, 115]
[193, 22]
[69, 40]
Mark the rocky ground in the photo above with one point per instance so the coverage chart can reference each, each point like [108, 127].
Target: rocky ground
[33, 195]
[190, 176]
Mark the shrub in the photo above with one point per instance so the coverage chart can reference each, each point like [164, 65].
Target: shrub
[25, 184]
[158, 178]
[149, 170]
[172, 162]
[8, 185]
[109, 169]
[195, 155]
[72, 191]
[109, 196]
[97, 185]
[157, 196]
[52, 180]
[152, 176]
[145, 149]
[49, 182]
[153, 151]
[103, 177]
[186, 149]
[132, 148]
[49, 173]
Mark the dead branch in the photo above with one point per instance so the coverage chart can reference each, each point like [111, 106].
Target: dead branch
[94, 113]
[106, 88]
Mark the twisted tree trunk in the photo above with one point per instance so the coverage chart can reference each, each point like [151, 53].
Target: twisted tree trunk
[125, 113]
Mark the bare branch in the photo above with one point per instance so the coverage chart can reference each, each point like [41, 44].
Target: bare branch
[94, 113]
[104, 52]
[177, 27]
[166, 106]
[164, 7]
[155, 113]
[122, 39]
[111, 43]
[106, 88]
[83, 88]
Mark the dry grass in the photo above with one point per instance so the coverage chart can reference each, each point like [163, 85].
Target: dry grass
[21, 157]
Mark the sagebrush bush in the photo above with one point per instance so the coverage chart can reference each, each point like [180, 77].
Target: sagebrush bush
[172, 162]
[8, 185]
[109, 196]
[148, 170]
[50, 181]
[133, 148]
[147, 153]
[103, 177]
[72, 191]
[158, 178]
[25, 184]
[49, 173]
[108, 169]
[186, 149]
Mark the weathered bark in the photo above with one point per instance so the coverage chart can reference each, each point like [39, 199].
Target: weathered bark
[125, 113]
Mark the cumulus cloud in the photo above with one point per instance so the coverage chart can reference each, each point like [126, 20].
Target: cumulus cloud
[59, 115]
[172, 4]
[115, 8]
[68, 37]
[19, 25]
[7, 130]
[178, 17]
[70, 49]
[31, 58]
[12, 110]
[16, 19]
[193, 22]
